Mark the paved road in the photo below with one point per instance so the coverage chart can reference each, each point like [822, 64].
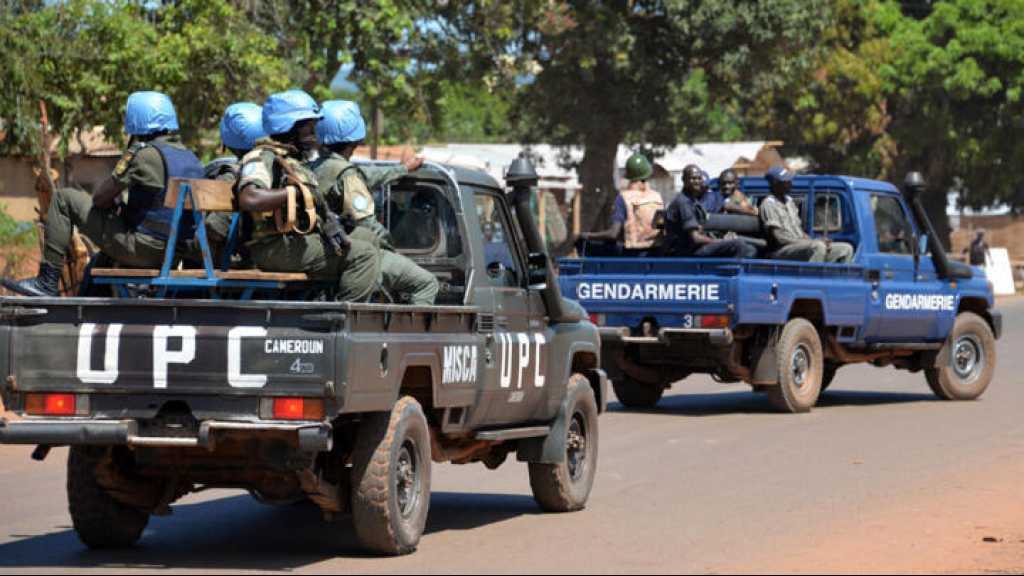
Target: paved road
[881, 474]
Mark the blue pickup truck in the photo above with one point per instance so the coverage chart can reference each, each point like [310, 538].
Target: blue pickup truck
[786, 327]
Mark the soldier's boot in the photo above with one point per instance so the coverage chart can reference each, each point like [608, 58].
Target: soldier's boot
[46, 283]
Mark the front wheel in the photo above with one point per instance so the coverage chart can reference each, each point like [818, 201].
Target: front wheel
[565, 487]
[391, 478]
[970, 360]
[800, 363]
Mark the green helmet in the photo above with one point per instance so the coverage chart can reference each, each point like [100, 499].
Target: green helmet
[638, 167]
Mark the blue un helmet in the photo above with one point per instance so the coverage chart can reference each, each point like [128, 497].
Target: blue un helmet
[242, 126]
[342, 123]
[149, 113]
[282, 110]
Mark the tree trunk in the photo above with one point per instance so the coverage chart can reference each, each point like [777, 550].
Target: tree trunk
[597, 177]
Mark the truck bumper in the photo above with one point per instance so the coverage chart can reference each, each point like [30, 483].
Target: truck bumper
[310, 437]
[719, 337]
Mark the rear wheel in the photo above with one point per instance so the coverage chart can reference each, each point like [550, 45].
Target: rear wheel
[99, 520]
[391, 478]
[970, 353]
[565, 486]
[800, 364]
[636, 394]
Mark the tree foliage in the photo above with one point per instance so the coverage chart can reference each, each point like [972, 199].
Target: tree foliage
[936, 90]
[83, 58]
[651, 73]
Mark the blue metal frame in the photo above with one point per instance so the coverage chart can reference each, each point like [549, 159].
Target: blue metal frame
[165, 281]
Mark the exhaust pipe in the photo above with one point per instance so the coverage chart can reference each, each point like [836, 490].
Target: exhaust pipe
[522, 177]
[913, 187]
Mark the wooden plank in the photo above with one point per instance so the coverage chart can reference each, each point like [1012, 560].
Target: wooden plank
[199, 273]
[210, 195]
[260, 275]
[127, 272]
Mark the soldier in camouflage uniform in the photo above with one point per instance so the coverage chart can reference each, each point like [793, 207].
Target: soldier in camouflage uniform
[134, 234]
[268, 171]
[240, 128]
[346, 188]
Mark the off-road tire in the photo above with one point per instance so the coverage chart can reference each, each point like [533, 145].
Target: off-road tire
[565, 487]
[385, 443]
[636, 394]
[800, 363]
[99, 520]
[973, 340]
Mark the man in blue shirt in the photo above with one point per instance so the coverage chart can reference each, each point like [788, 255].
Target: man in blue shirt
[684, 225]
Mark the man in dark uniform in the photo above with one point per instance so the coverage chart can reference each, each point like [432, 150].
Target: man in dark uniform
[134, 234]
[684, 221]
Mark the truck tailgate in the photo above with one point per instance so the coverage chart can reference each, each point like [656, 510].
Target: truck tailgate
[166, 346]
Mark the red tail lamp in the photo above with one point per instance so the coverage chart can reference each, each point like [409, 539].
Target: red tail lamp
[298, 409]
[50, 404]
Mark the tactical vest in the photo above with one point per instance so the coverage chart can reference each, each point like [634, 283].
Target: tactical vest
[280, 161]
[641, 205]
[353, 202]
[145, 211]
[222, 168]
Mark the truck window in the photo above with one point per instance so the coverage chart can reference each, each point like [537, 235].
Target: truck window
[499, 252]
[828, 213]
[892, 228]
[421, 221]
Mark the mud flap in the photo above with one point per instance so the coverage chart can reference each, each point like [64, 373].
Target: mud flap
[551, 449]
[765, 366]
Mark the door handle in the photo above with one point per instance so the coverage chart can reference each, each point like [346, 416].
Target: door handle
[889, 275]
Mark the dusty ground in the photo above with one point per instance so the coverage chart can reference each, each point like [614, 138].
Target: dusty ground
[880, 478]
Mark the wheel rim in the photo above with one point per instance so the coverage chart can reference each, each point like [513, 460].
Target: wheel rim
[407, 478]
[800, 366]
[967, 360]
[576, 447]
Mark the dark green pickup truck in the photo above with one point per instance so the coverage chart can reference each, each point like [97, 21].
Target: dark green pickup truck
[343, 404]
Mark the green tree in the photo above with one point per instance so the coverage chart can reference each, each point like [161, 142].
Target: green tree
[906, 86]
[83, 58]
[651, 73]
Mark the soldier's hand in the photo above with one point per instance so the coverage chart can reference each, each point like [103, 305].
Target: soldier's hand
[411, 160]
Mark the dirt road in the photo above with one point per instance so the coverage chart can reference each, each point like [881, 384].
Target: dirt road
[880, 477]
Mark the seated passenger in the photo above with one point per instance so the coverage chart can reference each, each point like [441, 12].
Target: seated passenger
[346, 188]
[684, 220]
[273, 176]
[634, 210]
[781, 220]
[735, 201]
[135, 234]
[240, 128]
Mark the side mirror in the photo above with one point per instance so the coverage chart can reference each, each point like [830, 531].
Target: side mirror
[537, 264]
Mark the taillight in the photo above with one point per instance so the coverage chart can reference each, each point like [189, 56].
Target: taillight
[298, 409]
[50, 404]
[597, 319]
[714, 321]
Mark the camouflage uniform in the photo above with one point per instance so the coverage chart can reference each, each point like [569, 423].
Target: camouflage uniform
[142, 167]
[346, 188]
[357, 272]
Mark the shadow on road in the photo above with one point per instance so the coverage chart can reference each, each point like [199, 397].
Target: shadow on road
[236, 533]
[723, 403]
